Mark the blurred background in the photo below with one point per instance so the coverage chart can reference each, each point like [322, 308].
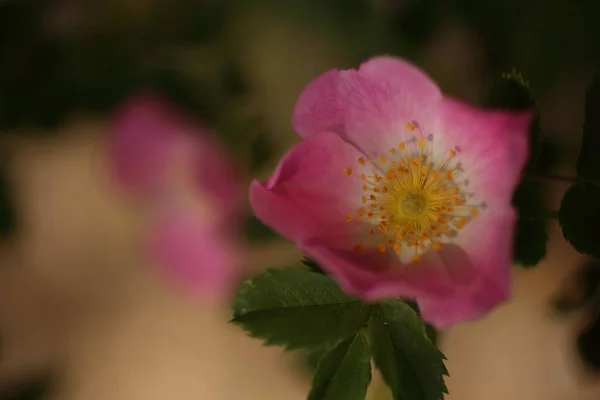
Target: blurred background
[82, 313]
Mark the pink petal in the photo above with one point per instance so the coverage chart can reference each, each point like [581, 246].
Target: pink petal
[320, 106]
[488, 241]
[494, 147]
[309, 192]
[369, 107]
[195, 254]
[386, 94]
[374, 276]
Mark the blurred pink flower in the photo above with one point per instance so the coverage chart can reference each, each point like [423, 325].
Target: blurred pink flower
[398, 191]
[164, 158]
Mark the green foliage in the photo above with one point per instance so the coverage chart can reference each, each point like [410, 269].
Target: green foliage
[344, 373]
[313, 356]
[531, 236]
[429, 330]
[512, 92]
[579, 217]
[410, 364]
[588, 162]
[300, 309]
[297, 308]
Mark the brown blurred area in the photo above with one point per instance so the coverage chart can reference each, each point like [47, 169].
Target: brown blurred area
[76, 294]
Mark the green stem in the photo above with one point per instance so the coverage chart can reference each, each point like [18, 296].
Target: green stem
[553, 178]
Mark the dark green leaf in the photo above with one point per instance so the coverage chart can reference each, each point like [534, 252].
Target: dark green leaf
[588, 162]
[297, 308]
[429, 330]
[531, 235]
[536, 145]
[531, 239]
[345, 372]
[510, 92]
[579, 217]
[410, 364]
[313, 356]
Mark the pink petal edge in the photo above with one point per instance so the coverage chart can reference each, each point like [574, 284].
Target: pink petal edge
[488, 241]
[309, 192]
[368, 107]
[494, 147]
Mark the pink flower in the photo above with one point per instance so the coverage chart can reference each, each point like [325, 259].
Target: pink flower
[167, 160]
[398, 191]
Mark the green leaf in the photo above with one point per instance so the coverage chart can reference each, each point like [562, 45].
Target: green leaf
[345, 372]
[296, 308]
[531, 239]
[579, 217]
[588, 162]
[410, 364]
[429, 330]
[511, 92]
[313, 356]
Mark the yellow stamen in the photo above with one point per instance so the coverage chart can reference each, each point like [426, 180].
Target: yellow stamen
[416, 201]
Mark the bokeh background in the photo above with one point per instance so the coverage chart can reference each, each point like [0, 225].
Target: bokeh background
[84, 316]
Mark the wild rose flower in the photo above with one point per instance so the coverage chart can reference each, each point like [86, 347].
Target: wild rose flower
[399, 191]
[170, 162]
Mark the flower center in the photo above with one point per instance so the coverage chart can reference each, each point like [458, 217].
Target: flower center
[413, 201]
[411, 205]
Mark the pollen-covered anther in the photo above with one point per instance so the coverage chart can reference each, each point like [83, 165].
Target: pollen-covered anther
[418, 202]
